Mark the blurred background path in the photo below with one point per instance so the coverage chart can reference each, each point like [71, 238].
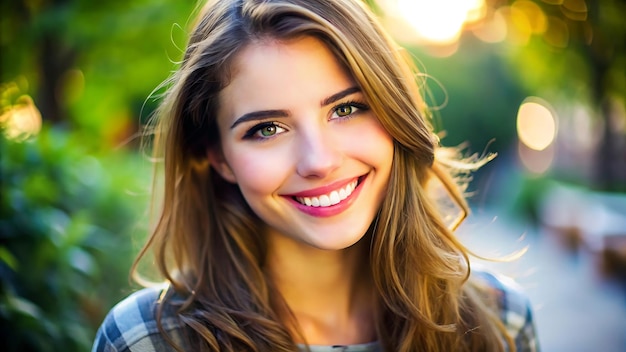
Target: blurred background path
[577, 307]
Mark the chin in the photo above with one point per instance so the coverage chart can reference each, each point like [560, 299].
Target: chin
[336, 244]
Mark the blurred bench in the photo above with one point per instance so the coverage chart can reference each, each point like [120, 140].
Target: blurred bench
[586, 220]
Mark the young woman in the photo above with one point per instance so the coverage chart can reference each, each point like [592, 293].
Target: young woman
[295, 212]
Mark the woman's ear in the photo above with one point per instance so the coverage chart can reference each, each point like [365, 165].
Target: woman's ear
[219, 164]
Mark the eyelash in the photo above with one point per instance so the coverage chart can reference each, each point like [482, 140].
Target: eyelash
[361, 107]
[251, 133]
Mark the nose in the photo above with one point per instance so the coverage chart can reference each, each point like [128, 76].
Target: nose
[318, 154]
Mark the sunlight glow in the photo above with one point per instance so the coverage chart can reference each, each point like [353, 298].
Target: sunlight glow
[439, 22]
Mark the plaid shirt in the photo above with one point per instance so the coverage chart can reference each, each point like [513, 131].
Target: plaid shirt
[131, 325]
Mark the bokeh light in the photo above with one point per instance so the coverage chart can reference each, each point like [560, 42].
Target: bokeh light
[534, 161]
[536, 123]
[20, 119]
[535, 17]
[493, 30]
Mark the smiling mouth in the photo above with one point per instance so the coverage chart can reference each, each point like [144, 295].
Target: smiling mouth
[330, 199]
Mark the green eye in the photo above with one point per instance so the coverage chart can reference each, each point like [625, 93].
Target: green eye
[264, 130]
[268, 131]
[348, 110]
[344, 110]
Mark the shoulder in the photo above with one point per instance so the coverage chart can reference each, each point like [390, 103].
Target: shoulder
[512, 305]
[132, 324]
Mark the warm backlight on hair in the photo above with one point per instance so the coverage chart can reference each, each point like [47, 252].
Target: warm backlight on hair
[536, 124]
[440, 21]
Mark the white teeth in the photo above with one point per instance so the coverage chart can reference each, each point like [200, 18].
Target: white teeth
[326, 200]
[334, 197]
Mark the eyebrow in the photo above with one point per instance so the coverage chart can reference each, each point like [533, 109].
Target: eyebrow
[259, 115]
[337, 96]
[263, 114]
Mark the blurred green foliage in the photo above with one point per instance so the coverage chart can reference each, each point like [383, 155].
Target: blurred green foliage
[475, 96]
[73, 198]
[66, 224]
[92, 65]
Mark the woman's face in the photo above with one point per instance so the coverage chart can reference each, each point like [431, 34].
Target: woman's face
[299, 139]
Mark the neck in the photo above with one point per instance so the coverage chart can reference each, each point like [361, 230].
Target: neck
[329, 294]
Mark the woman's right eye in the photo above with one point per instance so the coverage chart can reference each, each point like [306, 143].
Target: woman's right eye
[263, 131]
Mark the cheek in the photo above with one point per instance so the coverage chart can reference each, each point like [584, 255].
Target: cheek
[258, 171]
[374, 144]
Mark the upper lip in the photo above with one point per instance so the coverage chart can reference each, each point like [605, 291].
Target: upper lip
[324, 189]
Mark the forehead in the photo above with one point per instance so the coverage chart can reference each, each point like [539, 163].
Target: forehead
[272, 73]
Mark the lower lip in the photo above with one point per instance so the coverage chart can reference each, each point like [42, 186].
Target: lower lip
[333, 209]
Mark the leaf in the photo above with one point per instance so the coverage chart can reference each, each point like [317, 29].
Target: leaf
[8, 258]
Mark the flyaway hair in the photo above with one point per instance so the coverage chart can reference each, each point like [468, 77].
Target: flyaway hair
[208, 244]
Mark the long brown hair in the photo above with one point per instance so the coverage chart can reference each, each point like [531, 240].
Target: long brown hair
[208, 243]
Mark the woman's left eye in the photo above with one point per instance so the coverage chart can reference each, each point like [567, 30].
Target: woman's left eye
[348, 109]
[344, 110]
